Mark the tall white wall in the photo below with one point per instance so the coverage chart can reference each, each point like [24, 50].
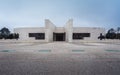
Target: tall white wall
[69, 30]
[50, 27]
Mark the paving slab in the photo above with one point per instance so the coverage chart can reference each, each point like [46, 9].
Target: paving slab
[60, 59]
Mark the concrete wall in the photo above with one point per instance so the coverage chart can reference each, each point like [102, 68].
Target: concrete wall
[59, 30]
[69, 30]
[94, 32]
[24, 33]
[50, 27]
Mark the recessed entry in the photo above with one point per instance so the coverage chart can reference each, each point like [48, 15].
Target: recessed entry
[44, 51]
[112, 50]
[7, 50]
[78, 50]
[58, 36]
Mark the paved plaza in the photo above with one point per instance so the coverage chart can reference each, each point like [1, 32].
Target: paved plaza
[59, 58]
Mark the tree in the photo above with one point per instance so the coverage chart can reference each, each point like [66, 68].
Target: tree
[11, 36]
[111, 30]
[111, 34]
[118, 33]
[118, 29]
[0, 35]
[5, 32]
[101, 37]
[16, 36]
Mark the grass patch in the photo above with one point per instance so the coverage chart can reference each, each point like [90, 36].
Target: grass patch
[78, 50]
[7, 50]
[44, 50]
[113, 50]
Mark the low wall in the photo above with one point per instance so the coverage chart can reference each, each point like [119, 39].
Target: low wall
[99, 41]
[41, 41]
[21, 41]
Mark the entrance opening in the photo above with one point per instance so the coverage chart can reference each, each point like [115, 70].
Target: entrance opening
[58, 36]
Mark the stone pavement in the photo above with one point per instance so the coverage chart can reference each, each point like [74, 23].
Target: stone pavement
[59, 58]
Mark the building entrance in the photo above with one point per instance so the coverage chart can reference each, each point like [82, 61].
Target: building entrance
[58, 36]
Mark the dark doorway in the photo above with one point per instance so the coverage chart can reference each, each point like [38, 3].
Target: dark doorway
[58, 36]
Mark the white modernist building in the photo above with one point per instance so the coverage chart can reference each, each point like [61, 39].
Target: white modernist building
[51, 33]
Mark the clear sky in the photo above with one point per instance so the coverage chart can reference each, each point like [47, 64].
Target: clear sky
[85, 13]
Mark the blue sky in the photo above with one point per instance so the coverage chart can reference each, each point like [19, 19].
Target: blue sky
[85, 13]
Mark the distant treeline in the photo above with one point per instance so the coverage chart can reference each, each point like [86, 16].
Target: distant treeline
[6, 34]
[111, 34]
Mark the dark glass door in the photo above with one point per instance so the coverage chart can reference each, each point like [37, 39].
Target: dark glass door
[58, 36]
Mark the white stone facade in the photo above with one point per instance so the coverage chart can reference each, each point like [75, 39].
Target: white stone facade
[53, 33]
